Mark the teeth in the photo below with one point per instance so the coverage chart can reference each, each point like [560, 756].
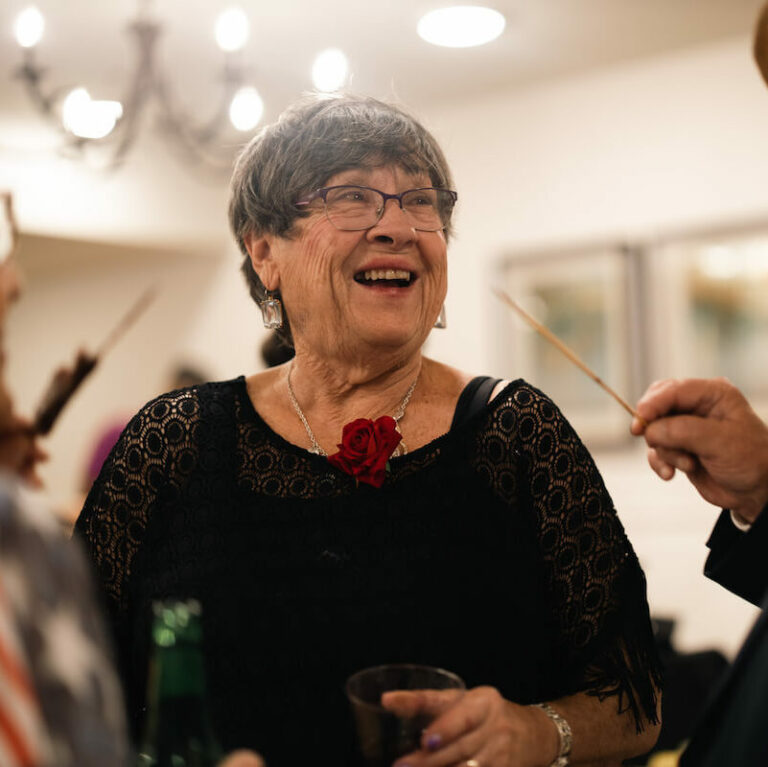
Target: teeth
[387, 274]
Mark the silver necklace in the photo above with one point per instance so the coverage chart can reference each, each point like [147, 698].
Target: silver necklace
[316, 448]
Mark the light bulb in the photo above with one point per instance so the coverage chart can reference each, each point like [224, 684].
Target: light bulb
[74, 106]
[329, 71]
[28, 27]
[246, 109]
[461, 26]
[86, 118]
[232, 29]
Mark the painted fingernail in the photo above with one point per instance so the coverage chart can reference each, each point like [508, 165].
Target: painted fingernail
[434, 741]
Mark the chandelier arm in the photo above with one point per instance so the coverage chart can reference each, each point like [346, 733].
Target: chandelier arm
[232, 80]
[126, 132]
[212, 160]
[176, 122]
[32, 74]
[199, 141]
[127, 129]
[187, 143]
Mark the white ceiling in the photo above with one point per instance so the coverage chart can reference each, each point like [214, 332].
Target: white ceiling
[86, 43]
[154, 198]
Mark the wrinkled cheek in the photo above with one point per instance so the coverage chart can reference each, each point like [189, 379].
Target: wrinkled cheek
[305, 276]
[438, 278]
[315, 260]
[435, 294]
[308, 287]
[442, 289]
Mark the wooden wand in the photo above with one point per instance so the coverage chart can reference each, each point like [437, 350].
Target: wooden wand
[569, 353]
[66, 381]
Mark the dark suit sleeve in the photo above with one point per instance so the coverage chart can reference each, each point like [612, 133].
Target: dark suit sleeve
[737, 560]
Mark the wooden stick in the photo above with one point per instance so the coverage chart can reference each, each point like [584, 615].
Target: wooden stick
[569, 353]
[128, 319]
[66, 381]
[13, 229]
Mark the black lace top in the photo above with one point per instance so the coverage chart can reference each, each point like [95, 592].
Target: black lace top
[493, 551]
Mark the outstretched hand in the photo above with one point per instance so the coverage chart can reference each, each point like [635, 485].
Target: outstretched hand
[475, 727]
[707, 429]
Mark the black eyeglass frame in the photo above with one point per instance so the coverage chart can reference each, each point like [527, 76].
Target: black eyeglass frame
[322, 194]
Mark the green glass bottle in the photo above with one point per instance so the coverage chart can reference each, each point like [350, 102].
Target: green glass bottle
[177, 730]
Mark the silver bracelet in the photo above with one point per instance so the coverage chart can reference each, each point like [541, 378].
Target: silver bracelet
[564, 733]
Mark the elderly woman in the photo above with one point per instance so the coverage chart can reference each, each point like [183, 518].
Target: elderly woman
[362, 504]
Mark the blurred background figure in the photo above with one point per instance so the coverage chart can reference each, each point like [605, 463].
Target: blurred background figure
[182, 375]
[689, 679]
[274, 351]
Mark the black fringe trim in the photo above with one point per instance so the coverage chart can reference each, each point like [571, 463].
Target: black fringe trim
[624, 662]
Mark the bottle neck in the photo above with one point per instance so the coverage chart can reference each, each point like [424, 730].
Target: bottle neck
[177, 729]
[179, 671]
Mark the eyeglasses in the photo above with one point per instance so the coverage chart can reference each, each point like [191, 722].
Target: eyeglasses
[354, 208]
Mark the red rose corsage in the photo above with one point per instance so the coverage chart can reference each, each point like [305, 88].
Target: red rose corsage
[366, 447]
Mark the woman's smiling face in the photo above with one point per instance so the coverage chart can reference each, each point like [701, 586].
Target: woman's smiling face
[382, 287]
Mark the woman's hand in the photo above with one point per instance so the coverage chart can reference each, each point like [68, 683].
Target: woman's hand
[477, 728]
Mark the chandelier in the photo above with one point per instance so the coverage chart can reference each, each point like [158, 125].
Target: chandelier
[104, 131]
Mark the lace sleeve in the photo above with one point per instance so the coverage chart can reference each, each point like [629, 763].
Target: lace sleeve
[597, 587]
[154, 454]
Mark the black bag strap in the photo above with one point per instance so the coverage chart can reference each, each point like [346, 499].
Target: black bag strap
[473, 399]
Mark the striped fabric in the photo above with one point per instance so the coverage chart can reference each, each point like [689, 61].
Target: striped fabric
[22, 734]
[60, 699]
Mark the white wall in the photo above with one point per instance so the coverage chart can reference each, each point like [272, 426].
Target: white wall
[153, 199]
[674, 142]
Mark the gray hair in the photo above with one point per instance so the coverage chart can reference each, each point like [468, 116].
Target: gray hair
[315, 138]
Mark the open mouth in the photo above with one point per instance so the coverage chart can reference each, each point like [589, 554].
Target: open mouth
[386, 278]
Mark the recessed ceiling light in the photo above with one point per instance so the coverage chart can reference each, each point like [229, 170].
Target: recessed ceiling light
[232, 29]
[461, 26]
[246, 109]
[329, 72]
[87, 118]
[29, 26]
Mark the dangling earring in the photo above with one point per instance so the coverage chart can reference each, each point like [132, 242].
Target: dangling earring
[271, 312]
[441, 322]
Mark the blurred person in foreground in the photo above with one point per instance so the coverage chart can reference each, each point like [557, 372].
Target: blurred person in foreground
[363, 504]
[707, 430]
[60, 700]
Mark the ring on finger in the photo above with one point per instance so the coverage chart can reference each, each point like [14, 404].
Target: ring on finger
[472, 763]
